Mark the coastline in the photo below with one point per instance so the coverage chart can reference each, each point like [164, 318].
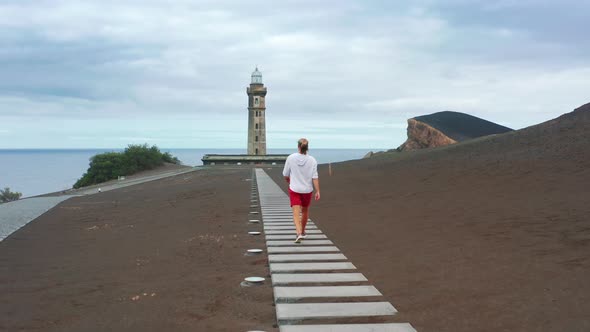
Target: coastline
[42, 171]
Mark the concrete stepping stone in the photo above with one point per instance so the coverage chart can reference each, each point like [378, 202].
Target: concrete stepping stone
[285, 250]
[306, 257]
[301, 311]
[283, 227]
[290, 231]
[278, 221]
[288, 223]
[302, 243]
[288, 228]
[293, 267]
[379, 327]
[301, 292]
[288, 237]
[286, 278]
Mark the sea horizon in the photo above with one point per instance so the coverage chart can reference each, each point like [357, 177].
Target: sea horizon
[21, 170]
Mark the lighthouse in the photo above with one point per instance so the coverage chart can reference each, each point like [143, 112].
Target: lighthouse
[256, 146]
[256, 115]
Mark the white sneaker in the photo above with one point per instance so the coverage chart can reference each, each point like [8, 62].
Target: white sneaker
[298, 239]
[303, 236]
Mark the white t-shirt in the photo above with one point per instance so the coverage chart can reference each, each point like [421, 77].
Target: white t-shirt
[301, 168]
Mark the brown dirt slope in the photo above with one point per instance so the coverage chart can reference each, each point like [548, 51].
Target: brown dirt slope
[492, 234]
[166, 255]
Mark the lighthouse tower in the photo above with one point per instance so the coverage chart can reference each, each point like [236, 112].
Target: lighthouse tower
[256, 115]
[256, 133]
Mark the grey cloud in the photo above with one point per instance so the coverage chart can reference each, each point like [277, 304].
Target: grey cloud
[537, 31]
[183, 67]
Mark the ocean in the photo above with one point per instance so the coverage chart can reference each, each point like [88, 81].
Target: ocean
[40, 171]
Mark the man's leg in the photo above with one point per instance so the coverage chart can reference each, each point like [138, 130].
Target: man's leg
[297, 218]
[304, 217]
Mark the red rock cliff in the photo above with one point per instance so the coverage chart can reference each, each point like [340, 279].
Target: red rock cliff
[421, 136]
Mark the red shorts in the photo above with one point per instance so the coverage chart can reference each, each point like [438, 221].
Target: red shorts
[300, 199]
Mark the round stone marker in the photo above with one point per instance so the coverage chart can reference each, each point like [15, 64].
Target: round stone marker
[254, 280]
[254, 251]
[254, 233]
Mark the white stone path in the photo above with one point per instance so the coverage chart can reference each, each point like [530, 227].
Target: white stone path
[314, 269]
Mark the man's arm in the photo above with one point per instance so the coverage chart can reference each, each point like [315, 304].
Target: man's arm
[316, 180]
[316, 185]
[287, 171]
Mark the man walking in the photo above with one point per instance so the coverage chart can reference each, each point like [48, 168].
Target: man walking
[301, 173]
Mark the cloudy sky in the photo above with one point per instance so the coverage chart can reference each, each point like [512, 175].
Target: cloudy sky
[106, 73]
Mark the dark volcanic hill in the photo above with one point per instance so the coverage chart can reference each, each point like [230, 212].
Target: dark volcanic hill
[461, 126]
[444, 128]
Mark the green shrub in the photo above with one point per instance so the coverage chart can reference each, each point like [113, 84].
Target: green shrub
[167, 157]
[111, 165]
[141, 157]
[7, 196]
[103, 167]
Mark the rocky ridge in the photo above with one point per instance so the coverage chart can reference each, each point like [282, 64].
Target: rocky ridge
[444, 128]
